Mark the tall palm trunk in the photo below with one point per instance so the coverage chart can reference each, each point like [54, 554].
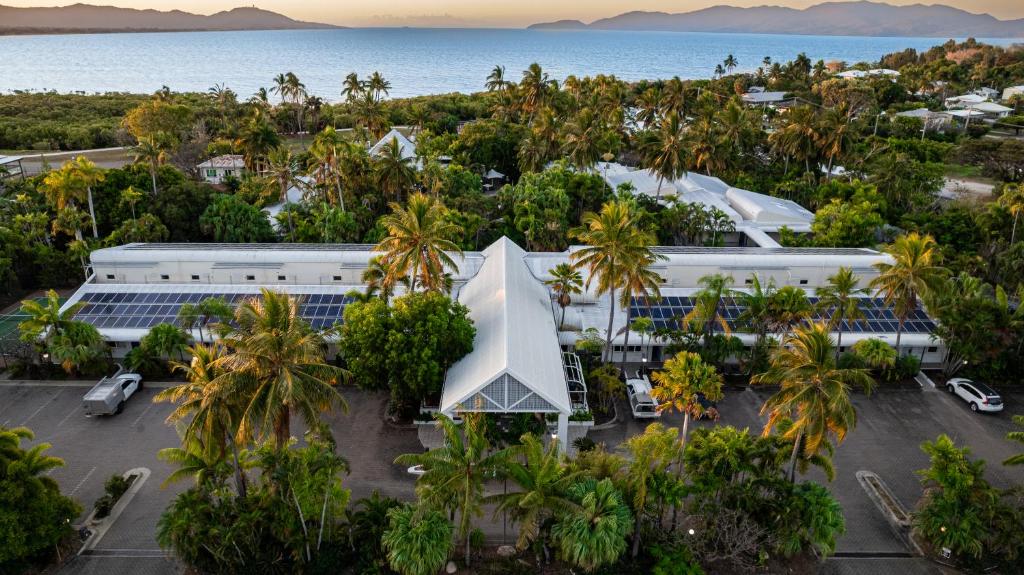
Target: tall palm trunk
[561, 322]
[240, 485]
[679, 462]
[1013, 231]
[839, 336]
[288, 209]
[608, 339]
[92, 213]
[152, 175]
[793, 456]
[282, 429]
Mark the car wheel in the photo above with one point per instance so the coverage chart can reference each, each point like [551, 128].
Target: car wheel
[974, 406]
[949, 388]
[120, 407]
[140, 385]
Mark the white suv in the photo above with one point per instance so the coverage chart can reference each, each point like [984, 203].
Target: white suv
[978, 395]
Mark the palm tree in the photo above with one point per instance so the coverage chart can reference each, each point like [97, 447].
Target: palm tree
[131, 196]
[453, 475]
[534, 89]
[787, 308]
[46, 319]
[543, 480]
[650, 455]
[152, 152]
[835, 137]
[325, 154]
[730, 63]
[756, 300]
[418, 540]
[166, 340]
[582, 143]
[33, 462]
[798, 137]
[281, 87]
[875, 353]
[614, 241]
[914, 272]
[213, 412]
[352, 87]
[277, 364]
[663, 151]
[88, 175]
[378, 279]
[257, 138]
[841, 298]
[496, 79]
[565, 282]
[641, 282]
[282, 169]
[194, 461]
[378, 85]
[64, 190]
[814, 388]
[594, 533]
[707, 304]
[719, 71]
[418, 242]
[395, 173]
[1013, 200]
[684, 385]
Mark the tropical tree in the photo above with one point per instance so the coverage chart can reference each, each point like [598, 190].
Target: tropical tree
[377, 85]
[706, 312]
[194, 461]
[212, 412]
[1017, 436]
[45, 320]
[641, 282]
[875, 353]
[166, 340]
[730, 63]
[151, 152]
[535, 89]
[496, 80]
[543, 481]
[78, 345]
[256, 139]
[88, 175]
[614, 242]
[352, 87]
[835, 136]
[583, 145]
[453, 475]
[788, 307]
[64, 190]
[277, 364]
[756, 300]
[418, 540]
[913, 273]
[418, 243]
[282, 170]
[663, 150]
[797, 138]
[812, 386]
[565, 282]
[593, 534]
[650, 455]
[394, 172]
[840, 299]
[1013, 200]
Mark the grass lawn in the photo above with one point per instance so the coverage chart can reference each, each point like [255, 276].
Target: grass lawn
[962, 171]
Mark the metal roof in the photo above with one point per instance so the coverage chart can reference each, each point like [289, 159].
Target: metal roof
[516, 363]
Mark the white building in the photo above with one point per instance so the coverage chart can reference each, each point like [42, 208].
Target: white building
[763, 98]
[216, 170]
[757, 217]
[407, 148]
[521, 360]
[872, 73]
[1012, 91]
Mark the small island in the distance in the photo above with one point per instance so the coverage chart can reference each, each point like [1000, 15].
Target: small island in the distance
[856, 18]
[87, 18]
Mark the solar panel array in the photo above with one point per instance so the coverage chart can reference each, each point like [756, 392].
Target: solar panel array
[668, 311]
[143, 310]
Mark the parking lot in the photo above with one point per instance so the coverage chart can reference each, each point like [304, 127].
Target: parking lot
[891, 427]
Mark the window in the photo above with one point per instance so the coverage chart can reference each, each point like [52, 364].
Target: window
[165, 277]
[282, 278]
[337, 278]
[211, 173]
[195, 277]
[250, 278]
[110, 276]
[803, 282]
[933, 349]
[749, 281]
[228, 173]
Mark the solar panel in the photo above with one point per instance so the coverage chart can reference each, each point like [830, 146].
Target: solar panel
[668, 312]
[138, 310]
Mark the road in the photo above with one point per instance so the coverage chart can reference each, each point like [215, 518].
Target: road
[891, 427]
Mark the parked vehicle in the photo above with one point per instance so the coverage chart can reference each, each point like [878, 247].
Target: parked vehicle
[109, 395]
[978, 395]
[641, 403]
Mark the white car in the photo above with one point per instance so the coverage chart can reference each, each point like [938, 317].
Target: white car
[978, 395]
[416, 470]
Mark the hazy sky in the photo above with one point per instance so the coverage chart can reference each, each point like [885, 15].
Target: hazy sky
[504, 13]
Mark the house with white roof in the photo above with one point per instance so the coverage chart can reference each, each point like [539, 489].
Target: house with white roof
[964, 101]
[933, 121]
[757, 217]
[763, 98]
[407, 148]
[217, 170]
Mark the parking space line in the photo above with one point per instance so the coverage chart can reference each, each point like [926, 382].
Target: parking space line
[68, 416]
[82, 482]
[41, 407]
[143, 414]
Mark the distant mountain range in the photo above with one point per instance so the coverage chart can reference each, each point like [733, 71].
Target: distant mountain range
[860, 18]
[78, 18]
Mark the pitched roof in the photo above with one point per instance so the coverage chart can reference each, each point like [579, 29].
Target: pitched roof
[516, 363]
[406, 147]
[229, 161]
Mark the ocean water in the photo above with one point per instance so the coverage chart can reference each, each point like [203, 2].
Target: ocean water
[415, 61]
